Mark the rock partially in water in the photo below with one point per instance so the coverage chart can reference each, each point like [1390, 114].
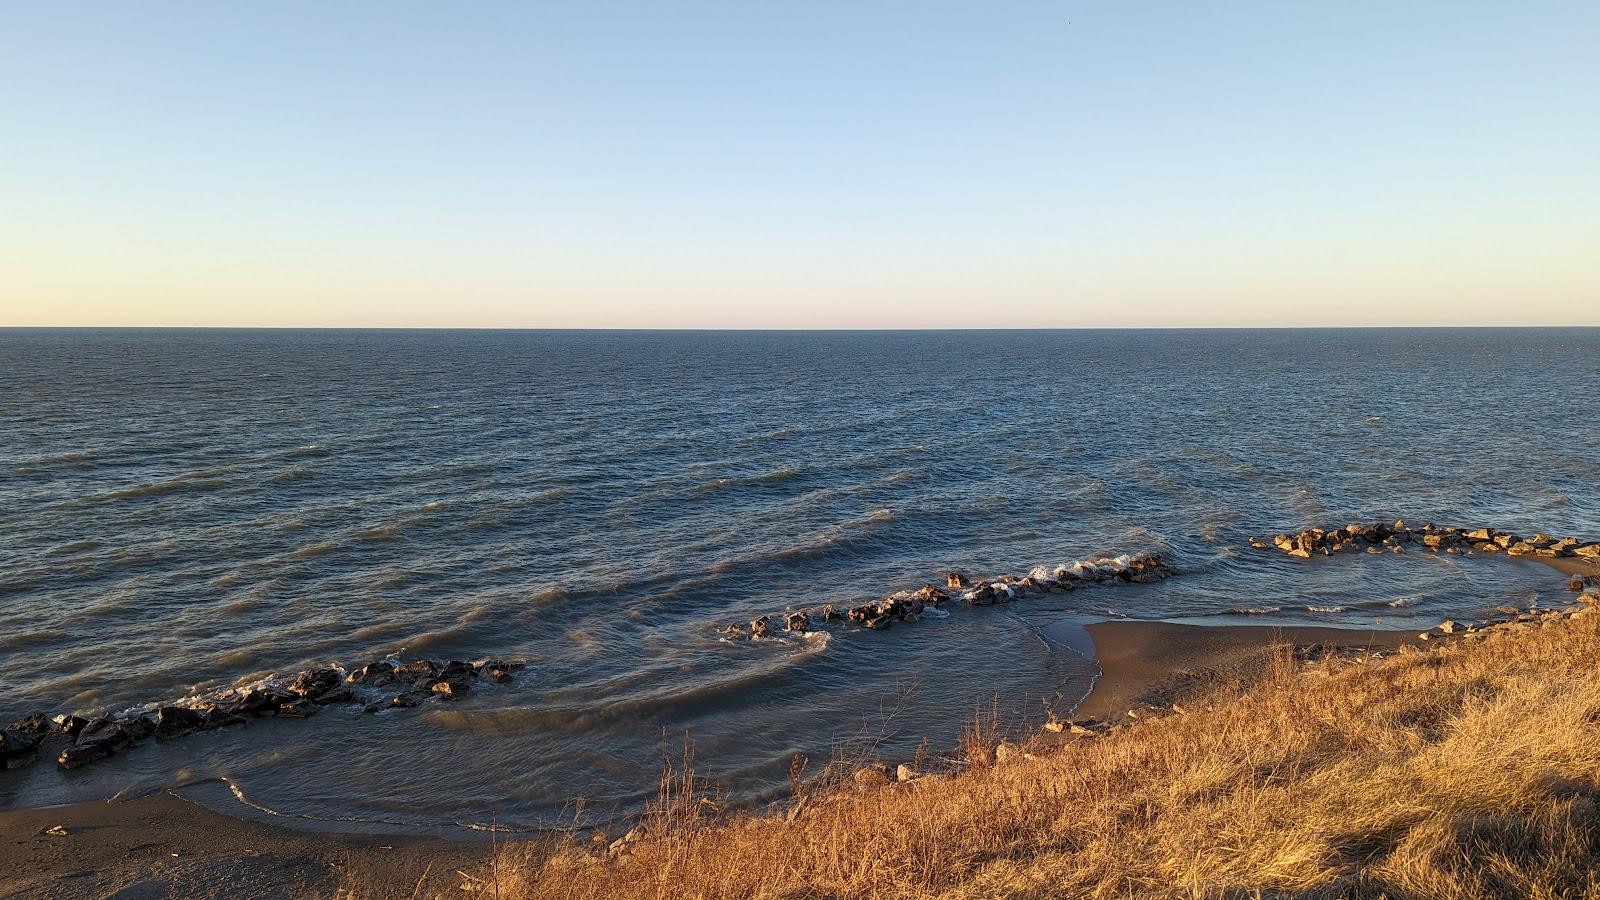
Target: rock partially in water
[372, 673]
[313, 683]
[798, 621]
[453, 688]
[68, 724]
[81, 755]
[177, 721]
[955, 580]
[299, 709]
[17, 748]
[1437, 538]
[297, 696]
[36, 724]
[761, 626]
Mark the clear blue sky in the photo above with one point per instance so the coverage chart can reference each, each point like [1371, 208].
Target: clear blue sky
[799, 165]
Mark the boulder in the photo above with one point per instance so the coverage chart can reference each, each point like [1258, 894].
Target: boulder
[39, 725]
[877, 623]
[831, 613]
[81, 755]
[904, 772]
[955, 580]
[864, 612]
[177, 721]
[299, 709]
[68, 724]
[217, 717]
[733, 631]
[500, 672]
[337, 695]
[799, 621]
[372, 673]
[417, 670]
[1587, 551]
[456, 668]
[313, 683]
[1479, 534]
[17, 748]
[1448, 626]
[453, 688]
[760, 626]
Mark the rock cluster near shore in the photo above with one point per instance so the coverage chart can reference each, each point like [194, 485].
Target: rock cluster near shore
[375, 686]
[910, 606]
[1380, 537]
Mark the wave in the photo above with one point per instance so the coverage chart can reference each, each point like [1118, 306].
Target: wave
[1254, 610]
[203, 480]
[817, 544]
[297, 473]
[776, 476]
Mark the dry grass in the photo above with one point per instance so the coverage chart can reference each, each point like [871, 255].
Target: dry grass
[1470, 771]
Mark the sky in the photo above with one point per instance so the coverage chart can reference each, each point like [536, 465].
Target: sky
[801, 165]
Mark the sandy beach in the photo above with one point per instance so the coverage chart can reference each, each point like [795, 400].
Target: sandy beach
[163, 845]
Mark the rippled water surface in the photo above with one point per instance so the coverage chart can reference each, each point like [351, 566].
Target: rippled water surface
[183, 509]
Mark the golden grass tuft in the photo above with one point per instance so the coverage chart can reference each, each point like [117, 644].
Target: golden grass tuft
[1469, 771]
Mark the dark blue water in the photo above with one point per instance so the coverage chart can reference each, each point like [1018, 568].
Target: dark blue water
[180, 510]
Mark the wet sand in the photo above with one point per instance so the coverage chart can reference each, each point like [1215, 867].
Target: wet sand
[162, 845]
[1160, 663]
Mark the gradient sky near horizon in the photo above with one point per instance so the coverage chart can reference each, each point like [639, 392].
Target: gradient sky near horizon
[799, 165]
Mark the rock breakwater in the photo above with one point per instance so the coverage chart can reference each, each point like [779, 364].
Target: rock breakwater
[910, 606]
[76, 740]
[1380, 537]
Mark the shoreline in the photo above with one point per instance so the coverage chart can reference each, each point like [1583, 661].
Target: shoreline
[162, 844]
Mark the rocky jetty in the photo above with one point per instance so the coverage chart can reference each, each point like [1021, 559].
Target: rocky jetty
[77, 741]
[1398, 537]
[910, 606]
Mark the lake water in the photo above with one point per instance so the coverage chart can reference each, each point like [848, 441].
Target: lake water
[181, 510]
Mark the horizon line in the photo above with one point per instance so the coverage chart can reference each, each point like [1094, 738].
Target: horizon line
[735, 329]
